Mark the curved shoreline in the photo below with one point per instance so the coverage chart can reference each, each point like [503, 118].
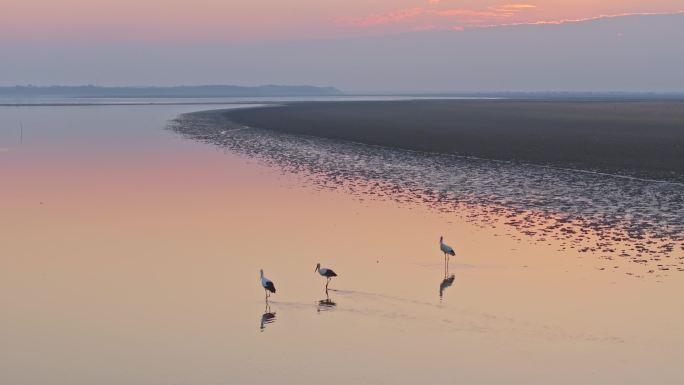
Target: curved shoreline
[639, 139]
[612, 217]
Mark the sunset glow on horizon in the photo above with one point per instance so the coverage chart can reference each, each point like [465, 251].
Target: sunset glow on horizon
[47, 21]
[380, 45]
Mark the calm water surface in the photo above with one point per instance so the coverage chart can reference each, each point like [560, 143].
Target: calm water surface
[130, 255]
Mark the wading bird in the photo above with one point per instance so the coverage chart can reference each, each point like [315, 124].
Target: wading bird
[327, 273]
[447, 250]
[267, 284]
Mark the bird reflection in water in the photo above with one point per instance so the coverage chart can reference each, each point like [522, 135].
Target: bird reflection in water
[326, 304]
[446, 282]
[268, 317]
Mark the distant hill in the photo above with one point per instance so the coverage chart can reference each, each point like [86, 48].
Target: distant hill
[210, 91]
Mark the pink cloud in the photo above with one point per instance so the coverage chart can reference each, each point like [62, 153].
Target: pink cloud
[509, 10]
[380, 19]
[437, 16]
[465, 12]
[405, 14]
[580, 20]
[517, 7]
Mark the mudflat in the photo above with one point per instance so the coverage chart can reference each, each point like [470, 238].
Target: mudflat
[640, 138]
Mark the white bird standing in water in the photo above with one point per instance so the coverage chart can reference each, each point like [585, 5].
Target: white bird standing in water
[325, 272]
[447, 250]
[267, 284]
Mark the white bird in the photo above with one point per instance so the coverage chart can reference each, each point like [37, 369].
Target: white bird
[447, 250]
[325, 272]
[267, 284]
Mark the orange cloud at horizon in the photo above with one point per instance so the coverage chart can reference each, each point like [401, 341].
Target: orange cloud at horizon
[60, 21]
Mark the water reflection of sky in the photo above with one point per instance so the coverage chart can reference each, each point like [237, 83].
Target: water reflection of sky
[131, 255]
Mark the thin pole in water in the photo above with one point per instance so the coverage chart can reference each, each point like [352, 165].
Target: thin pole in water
[21, 132]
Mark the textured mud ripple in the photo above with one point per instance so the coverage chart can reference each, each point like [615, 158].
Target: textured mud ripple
[614, 218]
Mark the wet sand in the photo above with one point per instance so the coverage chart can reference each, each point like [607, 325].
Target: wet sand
[636, 138]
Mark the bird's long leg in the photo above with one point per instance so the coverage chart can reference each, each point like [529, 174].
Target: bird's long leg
[326, 284]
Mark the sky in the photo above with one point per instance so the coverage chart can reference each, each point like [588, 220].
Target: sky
[96, 41]
[68, 21]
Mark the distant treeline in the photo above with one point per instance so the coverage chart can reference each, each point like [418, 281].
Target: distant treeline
[209, 91]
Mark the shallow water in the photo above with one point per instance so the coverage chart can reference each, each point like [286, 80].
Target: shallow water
[130, 255]
[611, 217]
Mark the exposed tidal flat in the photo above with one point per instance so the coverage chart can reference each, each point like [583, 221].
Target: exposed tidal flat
[600, 177]
[641, 138]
